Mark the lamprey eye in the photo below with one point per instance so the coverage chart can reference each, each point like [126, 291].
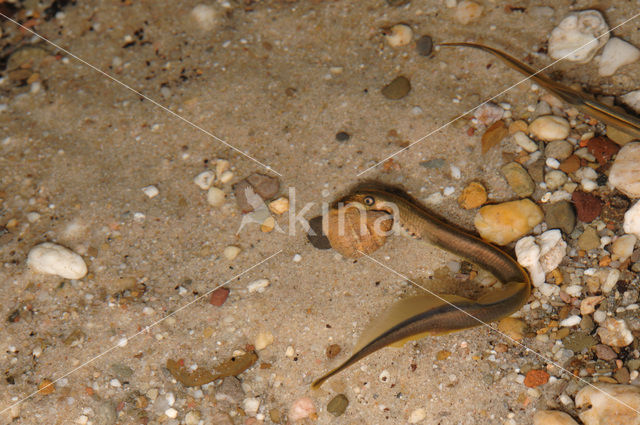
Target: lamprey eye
[369, 201]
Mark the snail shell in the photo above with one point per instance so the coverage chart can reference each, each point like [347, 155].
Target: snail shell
[352, 230]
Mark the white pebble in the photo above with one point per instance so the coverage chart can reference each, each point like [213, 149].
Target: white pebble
[574, 290]
[399, 35]
[251, 405]
[552, 163]
[622, 248]
[455, 172]
[468, 11]
[151, 191]
[263, 340]
[632, 220]
[205, 179]
[215, 197]
[115, 383]
[571, 321]
[448, 191]
[616, 53]
[599, 316]
[171, 413]
[632, 99]
[226, 176]
[576, 37]
[625, 171]
[522, 140]
[550, 128]
[231, 252]
[290, 352]
[588, 185]
[297, 258]
[205, 16]
[259, 285]
[171, 398]
[417, 415]
[54, 259]
[384, 376]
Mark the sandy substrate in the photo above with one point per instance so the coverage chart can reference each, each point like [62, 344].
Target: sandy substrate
[276, 80]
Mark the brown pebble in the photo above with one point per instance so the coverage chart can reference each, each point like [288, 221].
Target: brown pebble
[602, 148]
[588, 206]
[316, 235]
[622, 375]
[604, 352]
[494, 135]
[443, 355]
[265, 187]
[333, 350]
[219, 296]
[397, 89]
[535, 378]
[570, 165]
[338, 405]
[46, 387]
[473, 196]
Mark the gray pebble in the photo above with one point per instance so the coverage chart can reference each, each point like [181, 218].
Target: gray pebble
[561, 215]
[397, 89]
[433, 163]
[424, 45]
[316, 237]
[338, 405]
[558, 149]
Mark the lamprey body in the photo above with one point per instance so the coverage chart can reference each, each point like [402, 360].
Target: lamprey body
[428, 315]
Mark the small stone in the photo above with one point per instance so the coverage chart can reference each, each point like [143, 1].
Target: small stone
[444, 354]
[578, 341]
[588, 305]
[338, 405]
[418, 415]
[512, 327]
[171, 413]
[508, 221]
[279, 206]
[602, 148]
[332, 351]
[250, 405]
[226, 177]
[55, 259]
[550, 128]
[399, 35]
[519, 126]
[570, 164]
[252, 191]
[397, 89]
[604, 352]
[151, 191]
[205, 16]
[263, 340]
[231, 252]
[215, 197]
[424, 45]
[622, 248]
[589, 239]
[433, 163]
[342, 136]
[600, 409]
[554, 179]
[616, 53]
[561, 215]
[473, 196]
[192, 418]
[632, 220]
[578, 36]
[570, 321]
[488, 113]
[205, 179]
[268, 224]
[558, 149]
[46, 387]
[494, 135]
[552, 417]
[316, 236]
[522, 140]
[259, 285]
[622, 375]
[625, 172]
[301, 409]
[219, 296]
[467, 12]
[535, 378]
[588, 206]
[518, 179]
[632, 99]
[615, 333]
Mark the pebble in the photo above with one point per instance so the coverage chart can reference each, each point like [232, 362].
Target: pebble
[151, 191]
[279, 206]
[622, 248]
[570, 164]
[265, 187]
[632, 220]
[219, 296]
[589, 239]
[316, 236]
[46, 387]
[205, 16]
[399, 35]
[588, 206]
[588, 305]
[57, 260]
[632, 99]
[558, 149]
[552, 417]
[259, 285]
[604, 352]
[602, 148]
[600, 410]
[301, 409]
[226, 177]
[263, 340]
[192, 418]
[338, 405]
[488, 114]
[493, 135]
[578, 36]
[616, 53]
[397, 89]
[625, 171]
[561, 215]
[535, 378]
[205, 179]
[518, 179]
[474, 195]
[433, 163]
[550, 128]
[231, 252]
[467, 12]
[250, 405]
[615, 333]
[512, 327]
[171, 413]
[552, 249]
[571, 321]
[508, 221]
[554, 179]
[522, 140]
[418, 415]
[215, 197]
[342, 136]
[424, 45]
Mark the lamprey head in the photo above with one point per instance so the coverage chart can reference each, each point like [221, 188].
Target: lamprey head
[370, 200]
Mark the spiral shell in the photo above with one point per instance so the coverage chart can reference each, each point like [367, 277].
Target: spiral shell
[353, 231]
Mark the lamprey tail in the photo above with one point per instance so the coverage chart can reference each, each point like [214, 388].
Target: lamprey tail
[621, 120]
